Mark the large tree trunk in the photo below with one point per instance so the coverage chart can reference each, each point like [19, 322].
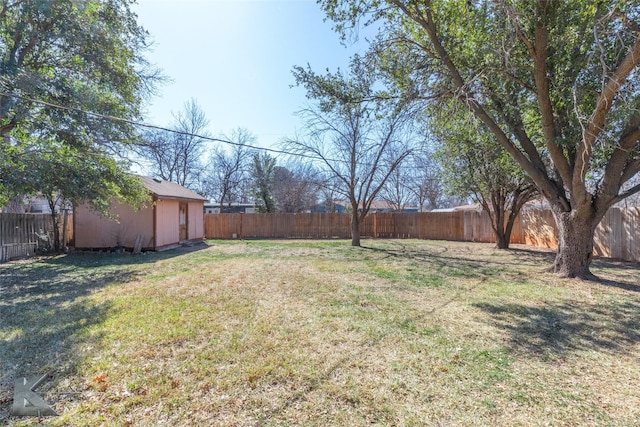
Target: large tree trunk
[503, 235]
[355, 229]
[56, 232]
[506, 208]
[502, 239]
[575, 243]
[56, 223]
[498, 225]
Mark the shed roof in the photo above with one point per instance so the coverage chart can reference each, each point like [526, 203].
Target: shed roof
[169, 190]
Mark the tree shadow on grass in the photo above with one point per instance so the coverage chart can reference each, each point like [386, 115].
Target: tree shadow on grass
[510, 261]
[44, 310]
[468, 264]
[558, 330]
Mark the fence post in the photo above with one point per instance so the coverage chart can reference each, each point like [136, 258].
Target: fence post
[375, 225]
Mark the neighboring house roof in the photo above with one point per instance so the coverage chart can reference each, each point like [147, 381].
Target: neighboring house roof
[443, 210]
[377, 205]
[169, 190]
[233, 204]
[477, 207]
[473, 207]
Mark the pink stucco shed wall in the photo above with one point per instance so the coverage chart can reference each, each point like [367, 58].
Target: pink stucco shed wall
[196, 220]
[168, 221]
[94, 230]
[158, 223]
[167, 227]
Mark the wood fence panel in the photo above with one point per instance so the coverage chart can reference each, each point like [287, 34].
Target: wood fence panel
[17, 236]
[616, 243]
[341, 225]
[319, 226]
[287, 228]
[606, 233]
[250, 227]
[405, 225]
[631, 219]
[424, 225]
[367, 226]
[279, 225]
[618, 235]
[518, 232]
[385, 225]
[471, 233]
[416, 219]
[306, 227]
[22, 234]
[410, 226]
[477, 227]
[324, 226]
[255, 226]
[225, 226]
[443, 226]
[452, 226]
[539, 228]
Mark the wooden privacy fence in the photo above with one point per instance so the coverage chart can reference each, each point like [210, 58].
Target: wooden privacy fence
[22, 234]
[277, 226]
[617, 236]
[463, 226]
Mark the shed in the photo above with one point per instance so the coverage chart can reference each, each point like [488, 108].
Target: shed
[175, 217]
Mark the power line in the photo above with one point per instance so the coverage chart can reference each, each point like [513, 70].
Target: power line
[150, 126]
[165, 129]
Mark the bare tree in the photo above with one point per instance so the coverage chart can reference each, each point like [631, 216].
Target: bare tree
[295, 187]
[352, 134]
[189, 143]
[176, 156]
[328, 187]
[396, 191]
[156, 154]
[228, 171]
[425, 181]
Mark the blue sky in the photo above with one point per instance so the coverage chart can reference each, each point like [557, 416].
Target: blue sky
[235, 58]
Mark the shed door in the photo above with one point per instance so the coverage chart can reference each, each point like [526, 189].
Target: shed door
[184, 235]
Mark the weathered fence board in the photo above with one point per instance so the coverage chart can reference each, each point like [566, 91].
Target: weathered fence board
[19, 234]
[22, 234]
[617, 236]
[277, 226]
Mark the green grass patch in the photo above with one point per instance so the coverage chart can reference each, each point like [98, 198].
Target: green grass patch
[316, 333]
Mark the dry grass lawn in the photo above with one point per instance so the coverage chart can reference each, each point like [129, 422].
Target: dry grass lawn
[318, 333]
